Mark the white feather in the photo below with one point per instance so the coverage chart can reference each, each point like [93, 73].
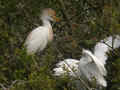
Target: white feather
[37, 40]
[104, 46]
[69, 64]
[92, 69]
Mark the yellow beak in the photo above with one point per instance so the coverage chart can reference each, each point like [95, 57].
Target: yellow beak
[56, 18]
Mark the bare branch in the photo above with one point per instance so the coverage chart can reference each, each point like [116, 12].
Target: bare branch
[16, 81]
[12, 84]
[2, 86]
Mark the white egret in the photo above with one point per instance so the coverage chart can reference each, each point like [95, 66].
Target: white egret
[40, 36]
[90, 67]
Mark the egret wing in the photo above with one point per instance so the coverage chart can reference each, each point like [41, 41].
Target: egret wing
[104, 46]
[37, 40]
[89, 70]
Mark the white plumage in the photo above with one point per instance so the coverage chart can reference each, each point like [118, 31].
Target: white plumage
[68, 64]
[90, 67]
[37, 40]
[39, 37]
[104, 46]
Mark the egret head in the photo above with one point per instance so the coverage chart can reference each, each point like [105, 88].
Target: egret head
[86, 56]
[84, 52]
[49, 14]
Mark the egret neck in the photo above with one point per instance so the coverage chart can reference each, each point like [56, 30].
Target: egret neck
[47, 24]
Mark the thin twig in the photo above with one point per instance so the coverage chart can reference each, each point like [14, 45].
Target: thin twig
[36, 64]
[112, 47]
[2, 86]
[13, 83]
[16, 81]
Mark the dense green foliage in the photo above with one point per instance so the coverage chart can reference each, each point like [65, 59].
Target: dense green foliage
[83, 23]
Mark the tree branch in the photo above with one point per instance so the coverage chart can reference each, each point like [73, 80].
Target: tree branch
[2, 86]
[12, 84]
